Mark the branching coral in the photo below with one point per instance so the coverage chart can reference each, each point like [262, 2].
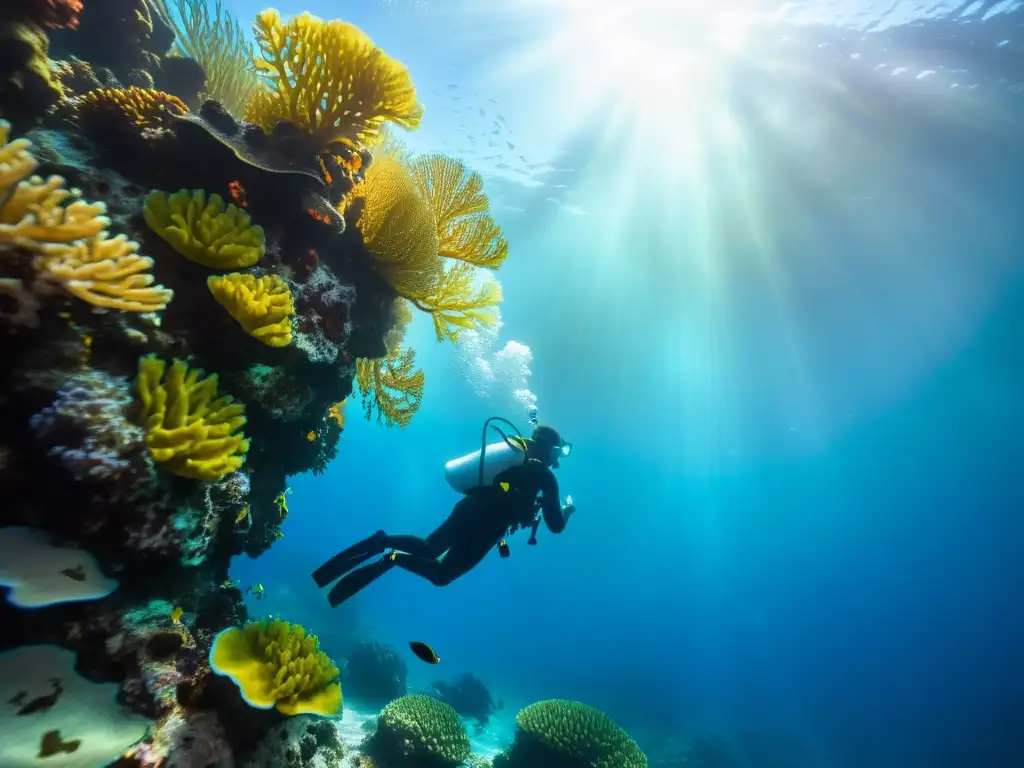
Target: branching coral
[69, 237]
[328, 78]
[36, 211]
[392, 386]
[263, 306]
[215, 40]
[567, 733]
[137, 108]
[420, 731]
[465, 229]
[189, 430]
[277, 665]
[105, 273]
[205, 230]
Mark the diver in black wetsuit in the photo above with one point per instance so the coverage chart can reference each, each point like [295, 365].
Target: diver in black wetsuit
[479, 521]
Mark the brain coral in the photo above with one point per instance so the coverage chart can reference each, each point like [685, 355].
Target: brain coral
[420, 732]
[567, 734]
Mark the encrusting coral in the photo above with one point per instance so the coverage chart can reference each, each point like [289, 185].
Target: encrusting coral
[419, 732]
[328, 78]
[204, 229]
[278, 665]
[567, 734]
[189, 430]
[263, 306]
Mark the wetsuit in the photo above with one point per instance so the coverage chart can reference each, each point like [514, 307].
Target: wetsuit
[477, 523]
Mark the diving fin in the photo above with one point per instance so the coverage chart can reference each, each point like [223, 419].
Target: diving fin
[347, 559]
[358, 580]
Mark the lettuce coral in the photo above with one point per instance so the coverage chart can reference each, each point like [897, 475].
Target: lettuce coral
[263, 306]
[568, 734]
[277, 665]
[189, 430]
[328, 78]
[205, 230]
[419, 731]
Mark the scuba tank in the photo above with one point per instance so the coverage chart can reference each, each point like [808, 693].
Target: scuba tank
[464, 473]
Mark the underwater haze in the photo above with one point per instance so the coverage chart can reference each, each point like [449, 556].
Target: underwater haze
[767, 275]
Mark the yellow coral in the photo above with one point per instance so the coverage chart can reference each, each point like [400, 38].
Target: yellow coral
[263, 306]
[33, 210]
[105, 273]
[398, 228]
[70, 237]
[465, 229]
[330, 79]
[461, 301]
[138, 107]
[276, 664]
[392, 386]
[189, 430]
[205, 230]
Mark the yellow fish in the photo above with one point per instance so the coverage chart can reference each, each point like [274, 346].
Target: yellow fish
[242, 515]
[311, 436]
[257, 591]
[176, 614]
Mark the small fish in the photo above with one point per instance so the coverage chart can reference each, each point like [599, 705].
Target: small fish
[311, 436]
[256, 590]
[242, 515]
[424, 652]
[52, 744]
[176, 614]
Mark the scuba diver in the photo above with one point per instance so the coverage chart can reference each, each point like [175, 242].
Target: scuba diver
[501, 483]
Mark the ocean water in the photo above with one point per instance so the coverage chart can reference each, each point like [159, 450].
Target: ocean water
[767, 275]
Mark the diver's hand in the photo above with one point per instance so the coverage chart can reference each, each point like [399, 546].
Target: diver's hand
[568, 508]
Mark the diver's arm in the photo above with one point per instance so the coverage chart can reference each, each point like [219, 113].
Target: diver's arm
[555, 517]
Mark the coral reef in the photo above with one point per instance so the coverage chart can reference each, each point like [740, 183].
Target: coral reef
[301, 742]
[568, 734]
[375, 673]
[187, 301]
[418, 732]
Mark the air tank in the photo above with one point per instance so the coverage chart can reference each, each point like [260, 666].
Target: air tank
[463, 473]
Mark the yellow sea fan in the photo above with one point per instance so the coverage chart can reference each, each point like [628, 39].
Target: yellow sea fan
[263, 306]
[205, 230]
[35, 211]
[392, 386]
[189, 430]
[398, 227]
[466, 230]
[330, 79]
[461, 301]
[105, 273]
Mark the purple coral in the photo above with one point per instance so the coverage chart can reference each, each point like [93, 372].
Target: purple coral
[87, 430]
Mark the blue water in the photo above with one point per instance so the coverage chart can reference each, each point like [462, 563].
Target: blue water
[781, 318]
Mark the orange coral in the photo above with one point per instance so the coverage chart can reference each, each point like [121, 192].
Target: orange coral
[140, 108]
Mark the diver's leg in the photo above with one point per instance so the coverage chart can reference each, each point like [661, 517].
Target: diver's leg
[463, 555]
[358, 580]
[349, 558]
[438, 542]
